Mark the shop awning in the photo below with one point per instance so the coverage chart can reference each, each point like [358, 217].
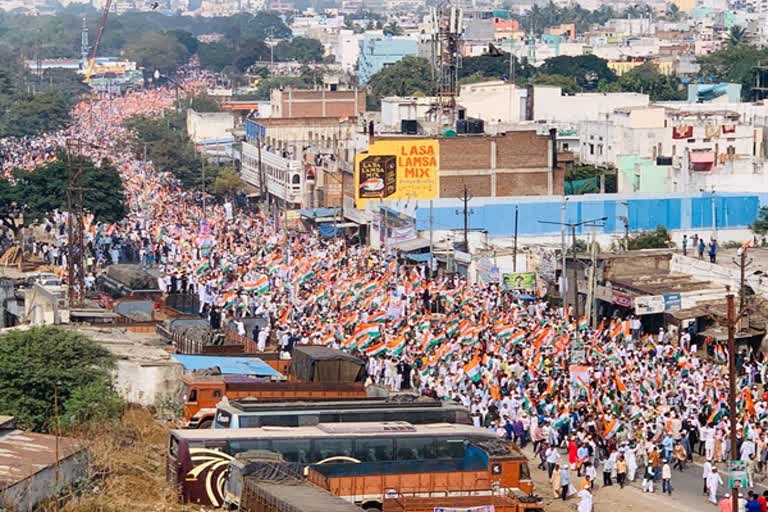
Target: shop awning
[421, 257]
[702, 157]
[313, 213]
[413, 245]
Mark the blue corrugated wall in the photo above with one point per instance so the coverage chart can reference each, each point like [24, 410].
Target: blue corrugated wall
[496, 215]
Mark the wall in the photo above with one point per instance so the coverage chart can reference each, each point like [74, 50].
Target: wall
[549, 104]
[307, 103]
[143, 383]
[202, 126]
[379, 51]
[691, 212]
[495, 101]
[637, 174]
[24, 496]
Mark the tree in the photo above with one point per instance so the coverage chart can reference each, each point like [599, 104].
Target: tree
[158, 51]
[216, 56]
[737, 35]
[408, 77]
[186, 39]
[587, 70]
[494, 67]
[734, 64]
[204, 103]
[566, 83]
[27, 114]
[646, 79]
[760, 226]
[301, 49]
[672, 12]
[393, 29]
[227, 183]
[43, 361]
[656, 239]
[248, 52]
[39, 192]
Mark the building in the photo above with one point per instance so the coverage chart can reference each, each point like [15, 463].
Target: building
[664, 66]
[297, 103]
[204, 127]
[35, 467]
[378, 51]
[549, 104]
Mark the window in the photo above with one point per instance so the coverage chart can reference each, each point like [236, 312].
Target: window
[192, 396]
[525, 473]
[294, 450]
[249, 444]
[331, 447]
[415, 448]
[296, 180]
[216, 393]
[374, 450]
[449, 448]
[173, 447]
[591, 149]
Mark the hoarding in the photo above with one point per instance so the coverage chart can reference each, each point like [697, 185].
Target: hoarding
[519, 280]
[397, 169]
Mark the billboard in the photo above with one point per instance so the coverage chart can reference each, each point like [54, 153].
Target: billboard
[519, 280]
[397, 169]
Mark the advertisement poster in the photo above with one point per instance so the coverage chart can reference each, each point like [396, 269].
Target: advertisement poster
[520, 280]
[397, 169]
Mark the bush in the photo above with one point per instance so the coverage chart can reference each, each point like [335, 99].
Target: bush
[657, 239]
[43, 362]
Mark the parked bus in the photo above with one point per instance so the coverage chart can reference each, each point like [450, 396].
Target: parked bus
[198, 460]
[249, 413]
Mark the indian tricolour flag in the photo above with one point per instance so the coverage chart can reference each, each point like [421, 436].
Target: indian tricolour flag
[370, 330]
[611, 428]
[261, 285]
[396, 346]
[328, 339]
[583, 323]
[376, 349]
[517, 337]
[202, 268]
[505, 332]
[472, 369]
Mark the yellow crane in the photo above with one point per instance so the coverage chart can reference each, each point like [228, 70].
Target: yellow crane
[102, 25]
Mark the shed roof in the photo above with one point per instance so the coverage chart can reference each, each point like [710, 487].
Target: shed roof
[23, 454]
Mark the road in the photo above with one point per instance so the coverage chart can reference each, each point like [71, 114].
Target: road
[686, 495]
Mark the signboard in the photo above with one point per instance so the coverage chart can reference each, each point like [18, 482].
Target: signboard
[397, 169]
[518, 280]
[608, 294]
[548, 265]
[487, 272]
[649, 304]
[737, 474]
[672, 302]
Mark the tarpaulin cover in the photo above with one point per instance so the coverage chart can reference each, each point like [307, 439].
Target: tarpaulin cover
[324, 364]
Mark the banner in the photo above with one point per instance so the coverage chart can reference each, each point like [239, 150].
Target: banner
[519, 280]
[397, 169]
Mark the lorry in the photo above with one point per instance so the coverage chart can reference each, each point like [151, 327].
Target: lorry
[290, 495]
[491, 470]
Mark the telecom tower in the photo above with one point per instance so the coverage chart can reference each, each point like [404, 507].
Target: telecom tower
[84, 42]
[447, 22]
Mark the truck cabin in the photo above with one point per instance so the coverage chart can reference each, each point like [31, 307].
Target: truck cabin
[205, 391]
[507, 466]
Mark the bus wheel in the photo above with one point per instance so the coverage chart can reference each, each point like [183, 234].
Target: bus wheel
[372, 506]
[205, 424]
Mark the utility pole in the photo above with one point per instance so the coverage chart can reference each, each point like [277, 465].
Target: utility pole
[514, 247]
[466, 211]
[563, 277]
[572, 226]
[75, 226]
[431, 238]
[742, 263]
[732, 386]
[713, 208]
[202, 170]
[575, 273]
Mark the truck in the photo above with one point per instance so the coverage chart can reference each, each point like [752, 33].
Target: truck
[491, 470]
[204, 392]
[290, 495]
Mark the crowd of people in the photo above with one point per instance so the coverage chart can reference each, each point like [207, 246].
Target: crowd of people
[634, 400]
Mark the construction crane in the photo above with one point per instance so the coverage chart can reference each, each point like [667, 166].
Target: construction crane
[99, 34]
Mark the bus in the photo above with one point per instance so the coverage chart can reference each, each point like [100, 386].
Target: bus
[249, 413]
[198, 460]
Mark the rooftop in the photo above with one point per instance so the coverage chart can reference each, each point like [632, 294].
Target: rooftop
[23, 454]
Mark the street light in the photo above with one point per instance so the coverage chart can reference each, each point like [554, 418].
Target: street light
[573, 226]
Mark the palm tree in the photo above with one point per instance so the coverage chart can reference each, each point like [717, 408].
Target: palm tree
[737, 35]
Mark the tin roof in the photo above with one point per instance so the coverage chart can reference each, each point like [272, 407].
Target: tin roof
[22, 454]
[231, 365]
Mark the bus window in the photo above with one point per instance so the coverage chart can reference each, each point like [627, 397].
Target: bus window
[450, 448]
[374, 450]
[329, 447]
[415, 448]
[310, 420]
[173, 447]
[249, 421]
[294, 450]
[239, 446]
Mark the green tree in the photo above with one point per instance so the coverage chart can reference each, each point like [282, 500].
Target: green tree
[186, 39]
[672, 12]
[249, 51]
[43, 190]
[227, 183]
[408, 77]
[24, 115]
[737, 35]
[656, 239]
[216, 56]
[568, 84]
[760, 226]
[494, 67]
[393, 29]
[301, 49]
[158, 51]
[587, 70]
[43, 361]
[646, 79]
[204, 103]
[733, 64]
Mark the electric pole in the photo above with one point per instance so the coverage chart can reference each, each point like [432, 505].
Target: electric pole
[466, 211]
[732, 386]
[514, 247]
[75, 226]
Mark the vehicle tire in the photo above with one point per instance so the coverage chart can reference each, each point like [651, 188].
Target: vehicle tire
[205, 424]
